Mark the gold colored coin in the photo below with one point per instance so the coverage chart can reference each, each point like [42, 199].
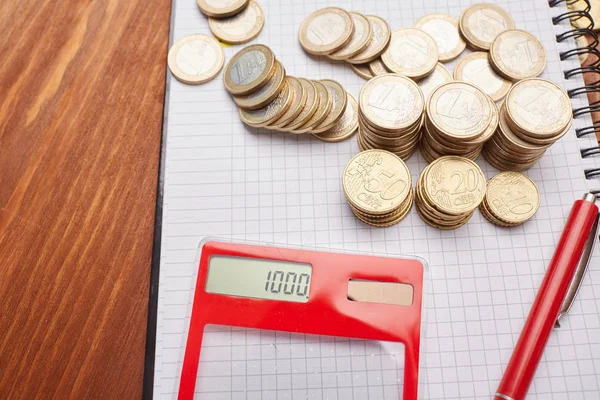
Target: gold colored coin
[309, 109]
[361, 37]
[512, 197]
[581, 6]
[249, 70]
[444, 30]
[411, 52]
[346, 126]
[460, 110]
[240, 28]
[475, 68]
[221, 8]
[269, 113]
[391, 102]
[265, 94]
[339, 99]
[539, 107]
[196, 59]
[326, 30]
[299, 96]
[325, 102]
[376, 182]
[481, 23]
[362, 70]
[377, 67]
[439, 76]
[455, 185]
[381, 34]
[517, 54]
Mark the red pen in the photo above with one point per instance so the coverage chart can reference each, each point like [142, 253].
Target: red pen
[553, 299]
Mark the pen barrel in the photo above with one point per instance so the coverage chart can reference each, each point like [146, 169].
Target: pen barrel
[546, 307]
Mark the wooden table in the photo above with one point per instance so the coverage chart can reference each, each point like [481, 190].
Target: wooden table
[81, 105]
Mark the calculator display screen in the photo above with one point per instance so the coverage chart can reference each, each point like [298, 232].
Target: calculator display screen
[259, 278]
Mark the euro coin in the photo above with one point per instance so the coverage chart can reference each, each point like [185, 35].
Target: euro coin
[239, 28]
[265, 94]
[325, 102]
[362, 70]
[512, 198]
[517, 55]
[310, 106]
[249, 70]
[346, 126]
[475, 68]
[361, 37]
[380, 38]
[411, 52]
[439, 76]
[269, 113]
[196, 59]
[339, 100]
[482, 22]
[444, 30]
[221, 8]
[377, 67]
[298, 101]
[325, 31]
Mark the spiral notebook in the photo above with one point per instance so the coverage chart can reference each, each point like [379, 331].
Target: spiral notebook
[220, 178]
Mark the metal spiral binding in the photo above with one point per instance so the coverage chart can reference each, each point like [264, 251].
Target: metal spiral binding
[589, 70]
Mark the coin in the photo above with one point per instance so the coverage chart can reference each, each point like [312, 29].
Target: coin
[481, 23]
[221, 8]
[326, 31]
[475, 68]
[361, 37]
[539, 108]
[325, 102]
[444, 30]
[249, 70]
[339, 100]
[265, 94]
[581, 5]
[309, 109]
[455, 185]
[391, 102]
[239, 28]
[377, 67]
[376, 182]
[381, 34]
[362, 70]
[269, 113]
[459, 110]
[517, 55]
[411, 53]
[512, 198]
[439, 76]
[298, 101]
[346, 126]
[196, 59]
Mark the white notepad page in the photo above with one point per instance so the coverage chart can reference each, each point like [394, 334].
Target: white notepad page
[224, 179]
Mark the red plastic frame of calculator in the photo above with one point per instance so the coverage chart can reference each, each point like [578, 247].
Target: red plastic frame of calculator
[327, 312]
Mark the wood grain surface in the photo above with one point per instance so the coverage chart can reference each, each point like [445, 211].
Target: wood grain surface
[81, 105]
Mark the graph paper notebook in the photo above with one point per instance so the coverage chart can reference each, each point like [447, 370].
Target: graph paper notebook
[223, 179]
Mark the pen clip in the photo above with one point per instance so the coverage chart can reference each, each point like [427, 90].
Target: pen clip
[579, 273]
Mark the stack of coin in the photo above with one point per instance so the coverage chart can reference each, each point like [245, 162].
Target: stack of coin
[480, 23]
[511, 199]
[378, 187]
[268, 98]
[516, 55]
[448, 192]
[535, 114]
[390, 115]
[233, 21]
[460, 120]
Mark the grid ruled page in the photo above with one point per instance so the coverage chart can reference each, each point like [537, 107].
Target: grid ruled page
[224, 179]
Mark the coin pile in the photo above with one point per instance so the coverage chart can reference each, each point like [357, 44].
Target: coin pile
[390, 115]
[480, 23]
[195, 59]
[233, 21]
[268, 98]
[535, 114]
[378, 187]
[511, 199]
[460, 119]
[448, 192]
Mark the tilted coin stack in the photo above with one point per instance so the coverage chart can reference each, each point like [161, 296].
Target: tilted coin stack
[390, 115]
[460, 118]
[268, 98]
[511, 199]
[449, 191]
[378, 187]
[535, 114]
